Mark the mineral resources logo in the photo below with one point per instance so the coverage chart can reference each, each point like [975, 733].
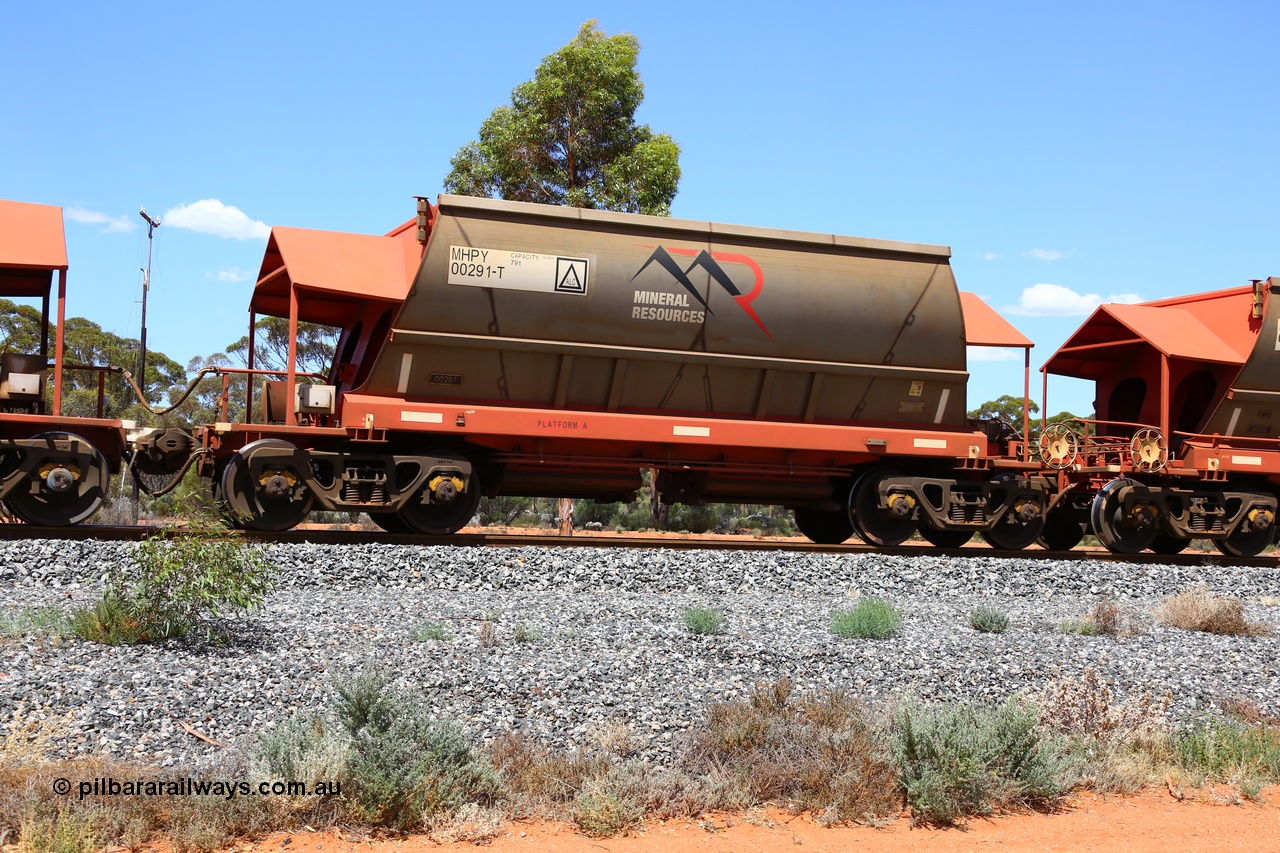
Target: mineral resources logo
[677, 307]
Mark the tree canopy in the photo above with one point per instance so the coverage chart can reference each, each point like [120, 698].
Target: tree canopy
[1008, 409]
[316, 345]
[87, 343]
[569, 136]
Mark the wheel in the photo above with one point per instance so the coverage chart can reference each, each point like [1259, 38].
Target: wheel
[66, 488]
[875, 524]
[1060, 532]
[1009, 534]
[1166, 544]
[389, 521]
[438, 517]
[228, 516]
[1245, 544]
[276, 497]
[944, 538]
[825, 527]
[1118, 531]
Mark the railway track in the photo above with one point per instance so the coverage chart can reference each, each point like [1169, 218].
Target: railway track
[332, 536]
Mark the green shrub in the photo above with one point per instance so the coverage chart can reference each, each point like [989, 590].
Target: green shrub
[180, 582]
[988, 619]
[403, 766]
[111, 620]
[63, 832]
[602, 813]
[694, 519]
[959, 760]
[1229, 750]
[522, 633]
[428, 631]
[303, 749]
[703, 620]
[870, 618]
[20, 621]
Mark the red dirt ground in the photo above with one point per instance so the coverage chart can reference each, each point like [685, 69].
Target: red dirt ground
[1152, 822]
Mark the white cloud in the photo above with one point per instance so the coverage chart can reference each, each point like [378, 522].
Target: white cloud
[1049, 254]
[990, 256]
[993, 354]
[210, 216]
[115, 224]
[1054, 300]
[230, 275]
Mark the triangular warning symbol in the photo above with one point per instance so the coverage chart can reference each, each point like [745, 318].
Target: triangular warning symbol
[570, 281]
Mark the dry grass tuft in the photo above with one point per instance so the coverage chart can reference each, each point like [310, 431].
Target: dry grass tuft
[1247, 712]
[818, 752]
[472, 824]
[1197, 609]
[1084, 706]
[542, 780]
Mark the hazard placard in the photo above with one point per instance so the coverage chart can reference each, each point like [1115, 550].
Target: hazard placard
[506, 270]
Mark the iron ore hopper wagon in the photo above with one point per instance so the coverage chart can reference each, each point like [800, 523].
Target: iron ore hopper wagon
[1186, 440]
[55, 465]
[495, 348]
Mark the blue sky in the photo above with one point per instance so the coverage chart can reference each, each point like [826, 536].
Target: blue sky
[1068, 153]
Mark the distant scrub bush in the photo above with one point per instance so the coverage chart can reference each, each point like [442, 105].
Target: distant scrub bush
[871, 618]
[989, 620]
[703, 620]
[1197, 609]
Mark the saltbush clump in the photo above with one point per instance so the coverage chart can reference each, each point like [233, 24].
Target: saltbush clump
[870, 618]
[818, 752]
[988, 619]
[703, 620]
[1106, 618]
[403, 766]
[1230, 750]
[960, 760]
[428, 631]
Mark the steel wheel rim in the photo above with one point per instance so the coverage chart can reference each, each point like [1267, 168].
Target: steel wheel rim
[872, 523]
[1060, 533]
[1013, 535]
[444, 520]
[1249, 544]
[36, 503]
[248, 505]
[1116, 532]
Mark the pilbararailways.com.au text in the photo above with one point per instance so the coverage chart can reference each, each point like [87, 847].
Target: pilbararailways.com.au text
[188, 787]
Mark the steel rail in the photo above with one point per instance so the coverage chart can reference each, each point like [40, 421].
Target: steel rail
[329, 536]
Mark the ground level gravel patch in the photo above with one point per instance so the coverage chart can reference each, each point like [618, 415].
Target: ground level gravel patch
[604, 644]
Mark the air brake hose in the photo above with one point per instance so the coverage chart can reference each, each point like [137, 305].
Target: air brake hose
[177, 478]
[141, 395]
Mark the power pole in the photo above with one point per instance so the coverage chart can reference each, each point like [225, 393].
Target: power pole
[152, 225]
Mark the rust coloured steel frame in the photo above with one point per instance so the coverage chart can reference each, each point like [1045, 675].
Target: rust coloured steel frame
[746, 442]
